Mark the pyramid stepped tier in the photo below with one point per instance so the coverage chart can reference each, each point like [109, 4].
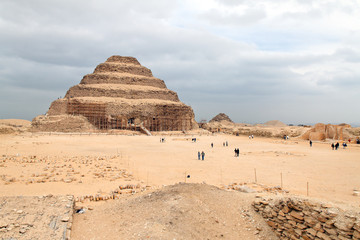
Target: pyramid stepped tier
[125, 60]
[119, 113]
[122, 94]
[123, 68]
[123, 91]
[122, 78]
[122, 106]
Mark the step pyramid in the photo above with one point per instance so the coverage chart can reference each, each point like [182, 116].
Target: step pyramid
[123, 94]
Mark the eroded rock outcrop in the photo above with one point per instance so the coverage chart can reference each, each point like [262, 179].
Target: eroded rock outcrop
[321, 131]
[120, 94]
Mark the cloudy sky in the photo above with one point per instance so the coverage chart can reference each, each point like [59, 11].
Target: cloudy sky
[297, 61]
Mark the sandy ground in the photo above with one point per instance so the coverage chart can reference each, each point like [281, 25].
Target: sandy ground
[98, 165]
[181, 211]
[36, 164]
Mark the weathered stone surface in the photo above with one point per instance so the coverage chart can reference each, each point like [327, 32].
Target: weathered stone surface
[38, 218]
[297, 215]
[321, 132]
[271, 224]
[344, 224]
[323, 236]
[310, 220]
[311, 231]
[356, 234]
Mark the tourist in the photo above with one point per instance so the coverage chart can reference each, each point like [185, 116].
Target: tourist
[332, 146]
[202, 155]
[226, 143]
[212, 145]
[252, 136]
[310, 143]
[198, 155]
[337, 146]
[235, 150]
[344, 145]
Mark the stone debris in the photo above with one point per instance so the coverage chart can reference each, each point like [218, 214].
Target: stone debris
[39, 217]
[254, 188]
[296, 218]
[68, 170]
[122, 189]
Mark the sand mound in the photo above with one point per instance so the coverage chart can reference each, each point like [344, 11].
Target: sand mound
[61, 123]
[221, 117]
[181, 211]
[275, 123]
[11, 126]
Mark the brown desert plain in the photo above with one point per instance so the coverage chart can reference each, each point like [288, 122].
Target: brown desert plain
[96, 164]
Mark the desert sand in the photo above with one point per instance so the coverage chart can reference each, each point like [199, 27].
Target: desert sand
[94, 165]
[94, 162]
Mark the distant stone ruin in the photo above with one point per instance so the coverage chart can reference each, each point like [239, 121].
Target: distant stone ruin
[120, 94]
[221, 117]
[321, 132]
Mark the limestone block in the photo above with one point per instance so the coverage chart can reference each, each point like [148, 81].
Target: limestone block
[297, 215]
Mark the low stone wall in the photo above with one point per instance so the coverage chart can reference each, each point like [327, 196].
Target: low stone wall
[296, 218]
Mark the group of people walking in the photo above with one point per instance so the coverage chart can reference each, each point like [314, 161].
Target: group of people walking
[202, 155]
[237, 152]
[335, 146]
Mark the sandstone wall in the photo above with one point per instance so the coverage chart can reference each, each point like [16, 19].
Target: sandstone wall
[132, 93]
[104, 78]
[296, 218]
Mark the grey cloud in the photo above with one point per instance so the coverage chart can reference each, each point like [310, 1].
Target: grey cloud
[348, 55]
[53, 44]
[251, 16]
[230, 3]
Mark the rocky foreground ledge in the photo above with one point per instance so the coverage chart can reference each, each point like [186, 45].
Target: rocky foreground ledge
[43, 217]
[298, 218]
